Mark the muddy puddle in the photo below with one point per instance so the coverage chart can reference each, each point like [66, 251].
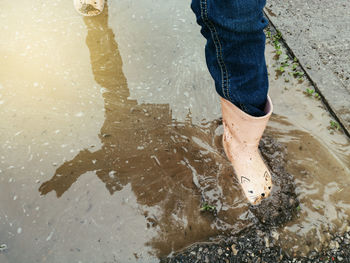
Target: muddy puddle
[110, 139]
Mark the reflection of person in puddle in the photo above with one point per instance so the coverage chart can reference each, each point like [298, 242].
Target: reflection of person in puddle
[235, 58]
[157, 156]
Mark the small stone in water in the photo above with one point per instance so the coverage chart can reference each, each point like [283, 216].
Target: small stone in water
[267, 242]
[334, 245]
[275, 235]
[234, 250]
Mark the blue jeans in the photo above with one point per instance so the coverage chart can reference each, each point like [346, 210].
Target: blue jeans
[235, 50]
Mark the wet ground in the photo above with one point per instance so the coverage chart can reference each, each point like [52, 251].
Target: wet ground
[110, 139]
[317, 32]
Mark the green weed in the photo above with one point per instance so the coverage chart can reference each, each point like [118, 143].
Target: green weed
[281, 69]
[309, 92]
[334, 125]
[298, 74]
[294, 66]
[268, 34]
[207, 207]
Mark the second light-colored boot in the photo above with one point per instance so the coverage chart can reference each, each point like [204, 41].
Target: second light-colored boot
[89, 7]
[241, 137]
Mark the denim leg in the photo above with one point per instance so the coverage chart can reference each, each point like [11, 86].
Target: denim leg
[235, 50]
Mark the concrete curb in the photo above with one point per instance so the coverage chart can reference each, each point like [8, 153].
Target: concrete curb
[333, 93]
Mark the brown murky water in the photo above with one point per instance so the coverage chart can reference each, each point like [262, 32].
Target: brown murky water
[109, 139]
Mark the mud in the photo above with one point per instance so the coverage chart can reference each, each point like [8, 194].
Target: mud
[282, 205]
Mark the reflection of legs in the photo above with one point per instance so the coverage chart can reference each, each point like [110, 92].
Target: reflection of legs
[235, 58]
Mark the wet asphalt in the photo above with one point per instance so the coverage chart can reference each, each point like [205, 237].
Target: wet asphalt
[110, 142]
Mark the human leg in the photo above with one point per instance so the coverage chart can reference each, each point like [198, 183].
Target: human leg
[235, 58]
[235, 50]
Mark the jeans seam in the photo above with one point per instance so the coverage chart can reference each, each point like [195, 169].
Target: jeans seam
[218, 49]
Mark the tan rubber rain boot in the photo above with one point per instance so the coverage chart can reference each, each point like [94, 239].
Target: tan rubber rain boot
[89, 7]
[242, 134]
